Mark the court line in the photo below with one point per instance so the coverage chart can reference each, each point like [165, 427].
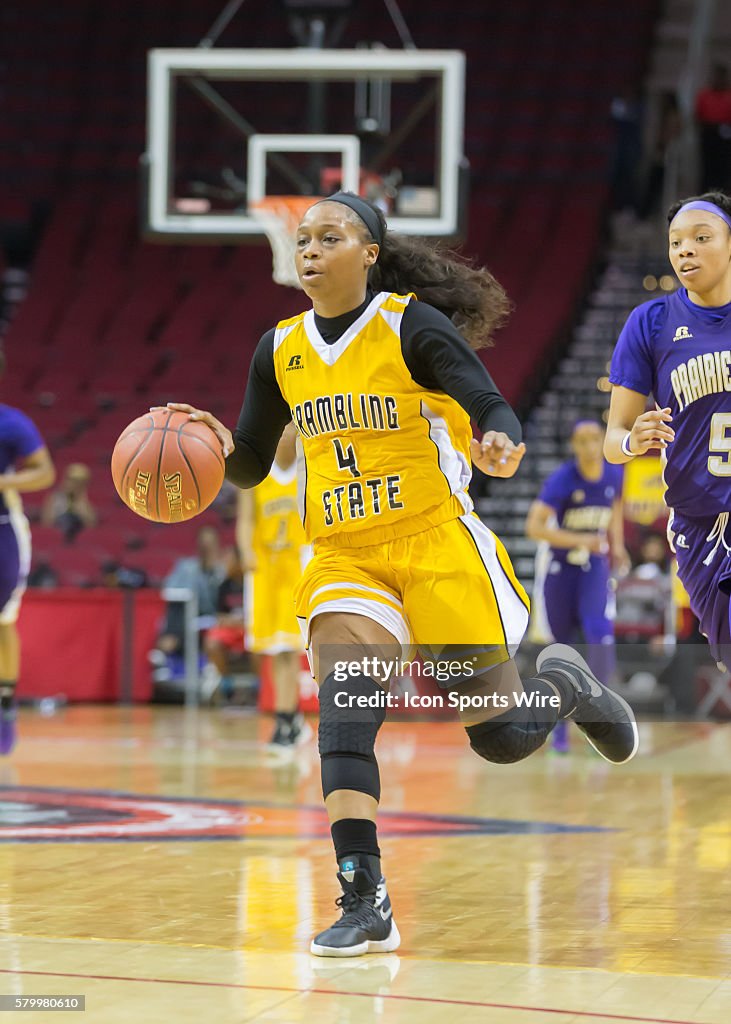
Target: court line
[589, 1014]
[156, 943]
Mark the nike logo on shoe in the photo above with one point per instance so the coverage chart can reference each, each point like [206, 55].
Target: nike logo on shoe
[385, 914]
[596, 689]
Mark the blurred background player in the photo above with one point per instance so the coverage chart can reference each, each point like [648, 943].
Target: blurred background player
[578, 517]
[272, 545]
[25, 465]
[677, 349]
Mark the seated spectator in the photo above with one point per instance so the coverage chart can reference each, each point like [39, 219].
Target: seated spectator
[43, 576]
[69, 507]
[202, 574]
[224, 641]
[116, 575]
[643, 597]
[653, 560]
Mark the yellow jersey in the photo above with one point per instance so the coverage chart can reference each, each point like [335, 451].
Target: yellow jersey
[277, 531]
[379, 456]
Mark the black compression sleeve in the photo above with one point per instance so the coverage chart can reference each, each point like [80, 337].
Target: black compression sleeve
[262, 419]
[438, 358]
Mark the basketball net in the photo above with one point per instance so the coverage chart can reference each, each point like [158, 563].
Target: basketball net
[279, 217]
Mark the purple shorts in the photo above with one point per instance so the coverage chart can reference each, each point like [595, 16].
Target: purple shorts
[703, 550]
[14, 565]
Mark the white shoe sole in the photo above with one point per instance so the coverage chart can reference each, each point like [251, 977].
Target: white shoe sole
[566, 653]
[383, 946]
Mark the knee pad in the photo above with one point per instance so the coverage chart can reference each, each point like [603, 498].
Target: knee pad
[505, 742]
[347, 736]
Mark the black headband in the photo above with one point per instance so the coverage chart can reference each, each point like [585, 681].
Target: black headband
[366, 213]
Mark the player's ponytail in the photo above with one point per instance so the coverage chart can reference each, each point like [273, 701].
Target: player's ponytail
[720, 199]
[470, 296]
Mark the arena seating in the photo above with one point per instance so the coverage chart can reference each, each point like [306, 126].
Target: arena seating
[112, 324]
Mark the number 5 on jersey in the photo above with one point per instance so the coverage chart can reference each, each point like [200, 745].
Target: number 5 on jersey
[719, 443]
[346, 458]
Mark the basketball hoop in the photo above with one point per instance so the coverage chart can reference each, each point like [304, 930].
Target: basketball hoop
[279, 217]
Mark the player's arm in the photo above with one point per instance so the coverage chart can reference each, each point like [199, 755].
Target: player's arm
[245, 530]
[438, 358]
[630, 425]
[263, 417]
[632, 431]
[541, 525]
[249, 450]
[33, 472]
[621, 561]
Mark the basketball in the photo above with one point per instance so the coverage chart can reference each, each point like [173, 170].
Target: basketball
[167, 467]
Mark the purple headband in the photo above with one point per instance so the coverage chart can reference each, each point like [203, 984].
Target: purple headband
[701, 204]
[584, 421]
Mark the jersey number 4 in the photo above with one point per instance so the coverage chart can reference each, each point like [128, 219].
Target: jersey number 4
[719, 463]
[346, 457]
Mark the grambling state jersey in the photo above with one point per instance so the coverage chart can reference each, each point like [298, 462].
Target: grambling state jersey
[278, 530]
[379, 455]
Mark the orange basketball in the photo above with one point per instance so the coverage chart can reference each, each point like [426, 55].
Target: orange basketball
[167, 467]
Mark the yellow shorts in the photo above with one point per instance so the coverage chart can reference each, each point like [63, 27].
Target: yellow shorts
[271, 624]
[451, 584]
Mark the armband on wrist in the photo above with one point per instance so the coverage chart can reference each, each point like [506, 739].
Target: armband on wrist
[625, 445]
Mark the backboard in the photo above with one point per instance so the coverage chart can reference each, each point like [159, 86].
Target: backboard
[228, 126]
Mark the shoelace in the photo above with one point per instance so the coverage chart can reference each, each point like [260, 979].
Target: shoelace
[355, 910]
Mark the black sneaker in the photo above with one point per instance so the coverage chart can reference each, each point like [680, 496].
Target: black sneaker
[366, 925]
[607, 721]
[290, 734]
[301, 730]
[280, 736]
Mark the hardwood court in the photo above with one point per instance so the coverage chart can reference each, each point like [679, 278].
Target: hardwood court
[554, 891]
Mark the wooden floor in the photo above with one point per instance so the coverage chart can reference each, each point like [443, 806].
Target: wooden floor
[169, 869]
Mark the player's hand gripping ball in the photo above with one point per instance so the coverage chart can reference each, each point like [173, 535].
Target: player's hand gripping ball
[167, 467]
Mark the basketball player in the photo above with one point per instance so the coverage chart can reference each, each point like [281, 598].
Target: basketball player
[272, 544]
[25, 465]
[678, 348]
[381, 388]
[578, 516]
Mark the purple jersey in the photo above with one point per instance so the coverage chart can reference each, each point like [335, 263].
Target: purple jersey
[580, 504]
[19, 438]
[681, 354]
